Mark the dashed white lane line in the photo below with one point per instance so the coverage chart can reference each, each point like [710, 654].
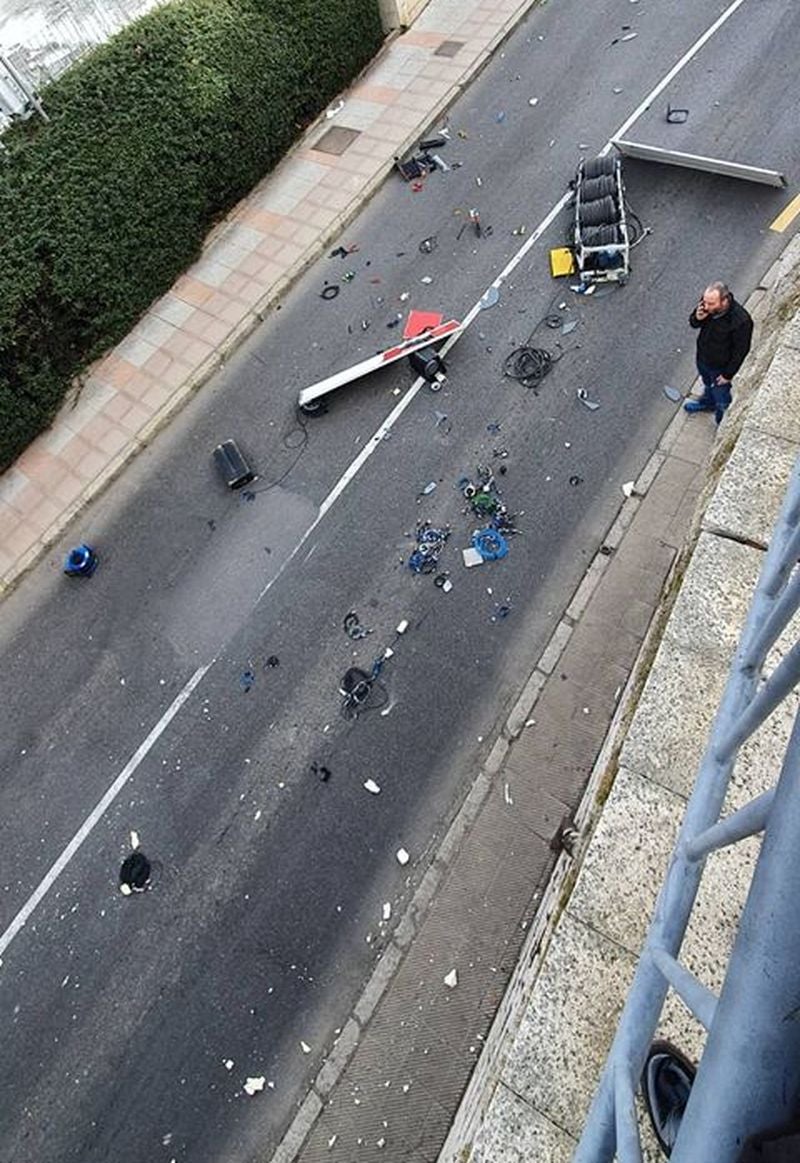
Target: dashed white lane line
[99, 810]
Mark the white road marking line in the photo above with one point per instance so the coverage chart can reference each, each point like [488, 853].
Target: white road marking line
[99, 811]
[349, 474]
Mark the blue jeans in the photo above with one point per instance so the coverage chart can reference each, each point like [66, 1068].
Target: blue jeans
[716, 397]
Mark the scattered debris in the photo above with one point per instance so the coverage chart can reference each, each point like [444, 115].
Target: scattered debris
[431, 541]
[272, 661]
[228, 1064]
[353, 628]
[672, 394]
[255, 1085]
[451, 979]
[677, 116]
[490, 544]
[430, 487]
[569, 326]
[475, 219]
[402, 856]
[529, 365]
[471, 557]
[334, 109]
[134, 875]
[533, 101]
[387, 911]
[329, 291]
[500, 117]
[134, 840]
[331, 1141]
[247, 680]
[80, 561]
[489, 298]
[322, 773]
[582, 395]
[575, 480]
[428, 245]
[628, 488]
[304, 1046]
[427, 280]
[507, 795]
[372, 787]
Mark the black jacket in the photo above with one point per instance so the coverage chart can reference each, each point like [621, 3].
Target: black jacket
[723, 342]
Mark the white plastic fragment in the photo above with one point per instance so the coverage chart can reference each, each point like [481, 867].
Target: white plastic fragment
[334, 109]
[447, 585]
[507, 795]
[125, 889]
[402, 627]
[630, 36]
[228, 1064]
[254, 1085]
[628, 488]
[471, 557]
[387, 911]
[451, 980]
[426, 279]
[304, 1046]
[134, 839]
[372, 786]
[533, 100]
[402, 856]
[331, 1141]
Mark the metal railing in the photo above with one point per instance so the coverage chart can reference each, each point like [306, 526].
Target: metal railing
[749, 1075]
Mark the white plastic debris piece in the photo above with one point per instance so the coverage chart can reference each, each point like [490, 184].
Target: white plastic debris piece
[402, 626]
[630, 36]
[125, 889]
[627, 488]
[471, 557]
[402, 856]
[334, 109]
[134, 839]
[387, 911]
[530, 722]
[451, 980]
[228, 1064]
[429, 488]
[304, 1046]
[381, 1142]
[372, 787]
[427, 280]
[616, 90]
[271, 1085]
[404, 295]
[257, 816]
[447, 585]
[406, 1087]
[395, 391]
[507, 795]
[533, 100]
[331, 1141]
[254, 1085]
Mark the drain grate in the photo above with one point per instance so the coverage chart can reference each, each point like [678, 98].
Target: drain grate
[336, 140]
[449, 48]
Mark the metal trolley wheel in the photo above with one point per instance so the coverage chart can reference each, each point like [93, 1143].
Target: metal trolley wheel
[666, 1085]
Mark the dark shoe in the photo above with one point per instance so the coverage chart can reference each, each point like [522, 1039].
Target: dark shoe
[698, 406]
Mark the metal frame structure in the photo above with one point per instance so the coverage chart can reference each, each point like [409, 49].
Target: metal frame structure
[609, 261]
[748, 1078]
[692, 161]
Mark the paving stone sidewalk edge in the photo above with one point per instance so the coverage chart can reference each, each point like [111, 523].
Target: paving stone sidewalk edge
[565, 871]
[239, 333]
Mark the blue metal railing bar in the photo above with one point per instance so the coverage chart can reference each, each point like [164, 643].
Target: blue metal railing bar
[698, 998]
[747, 821]
[774, 603]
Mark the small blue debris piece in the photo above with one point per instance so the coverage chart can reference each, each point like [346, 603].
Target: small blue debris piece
[80, 561]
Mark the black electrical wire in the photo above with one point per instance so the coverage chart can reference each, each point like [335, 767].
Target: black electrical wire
[529, 365]
[300, 448]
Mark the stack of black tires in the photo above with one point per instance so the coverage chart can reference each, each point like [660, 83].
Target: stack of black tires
[601, 242]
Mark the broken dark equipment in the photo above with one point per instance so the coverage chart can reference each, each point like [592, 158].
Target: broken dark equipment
[419, 165]
[428, 364]
[677, 116]
[135, 871]
[232, 465]
[601, 241]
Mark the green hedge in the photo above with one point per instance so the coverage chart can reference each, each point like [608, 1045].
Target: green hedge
[152, 138]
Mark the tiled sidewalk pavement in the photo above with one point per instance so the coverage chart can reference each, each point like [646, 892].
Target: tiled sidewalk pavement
[417, 1045]
[248, 262]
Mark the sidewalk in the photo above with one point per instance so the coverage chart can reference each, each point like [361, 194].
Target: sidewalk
[530, 1096]
[248, 263]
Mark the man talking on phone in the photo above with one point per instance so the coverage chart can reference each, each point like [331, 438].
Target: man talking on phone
[725, 332]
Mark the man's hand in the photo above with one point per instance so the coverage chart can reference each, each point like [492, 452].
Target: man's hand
[700, 311]
[721, 380]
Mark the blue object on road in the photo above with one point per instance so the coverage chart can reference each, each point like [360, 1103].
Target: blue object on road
[80, 561]
[490, 544]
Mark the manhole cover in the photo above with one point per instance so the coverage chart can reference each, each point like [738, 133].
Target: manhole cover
[336, 140]
[449, 48]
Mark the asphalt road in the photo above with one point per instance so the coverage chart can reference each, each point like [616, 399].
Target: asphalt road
[264, 917]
